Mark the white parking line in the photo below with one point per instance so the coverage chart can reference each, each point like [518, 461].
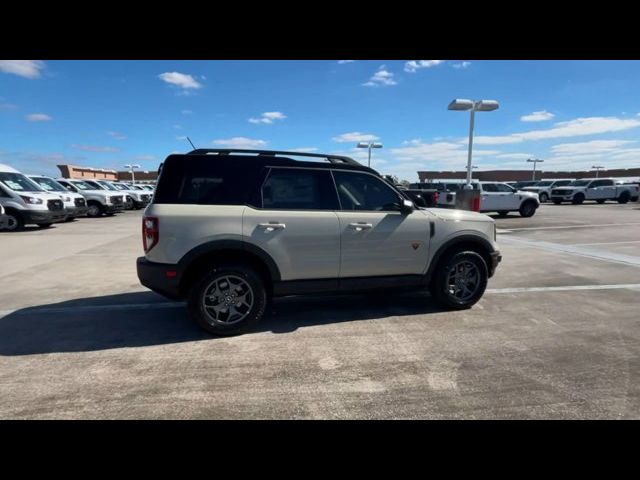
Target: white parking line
[575, 250]
[563, 288]
[506, 230]
[604, 243]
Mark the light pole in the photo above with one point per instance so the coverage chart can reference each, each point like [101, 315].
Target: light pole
[131, 167]
[461, 104]
[597, 168]
[369, 146]
[535, 161]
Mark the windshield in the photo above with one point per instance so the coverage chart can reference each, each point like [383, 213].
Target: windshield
[80, 185]
[119, 186]
[546, 183]
[108, 186]
[48, 184]
[18, 182]
[579, 183]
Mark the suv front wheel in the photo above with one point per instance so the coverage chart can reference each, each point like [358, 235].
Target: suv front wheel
[460, 280]
[228, 300]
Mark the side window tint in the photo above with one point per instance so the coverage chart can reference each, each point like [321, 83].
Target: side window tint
[299, 189]
[489, 187]
[359, 191]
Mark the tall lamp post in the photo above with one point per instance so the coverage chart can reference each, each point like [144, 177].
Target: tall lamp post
[597, 168]
[461, 104]
[131, 167]
[369, 146]
[535, 161]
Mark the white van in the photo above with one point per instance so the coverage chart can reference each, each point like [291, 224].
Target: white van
[75, 204]
[26, 203]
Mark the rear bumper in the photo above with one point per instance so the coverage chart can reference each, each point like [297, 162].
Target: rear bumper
[43, 216]
[155, 277]
[496, 258]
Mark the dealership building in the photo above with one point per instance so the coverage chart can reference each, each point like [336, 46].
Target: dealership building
[89, 173]
[520, 175]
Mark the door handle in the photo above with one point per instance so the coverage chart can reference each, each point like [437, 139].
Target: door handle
[358, 227]
[271, 226]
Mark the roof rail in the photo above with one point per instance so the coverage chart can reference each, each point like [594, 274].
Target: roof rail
[272, 153]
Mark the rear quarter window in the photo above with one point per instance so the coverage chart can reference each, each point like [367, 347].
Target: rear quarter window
[207, 180]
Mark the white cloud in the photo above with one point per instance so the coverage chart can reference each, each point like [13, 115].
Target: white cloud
[117, 135]
[181, 80]
[353, 137]
[268, 118]
[177, 127]
[93, 148]
[585, 148]
[438, 153]
[415, 65]
[540, 116]
[143, 158]
[461, 65]
[342, 62]
[240, 142]
[186, 112]
[8, 106]
[382, 77]
[305, 149]
[22, 68]
[515, 156]
[38, 117]
[573, 128]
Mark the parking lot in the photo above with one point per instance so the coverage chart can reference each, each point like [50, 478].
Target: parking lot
[556, 335]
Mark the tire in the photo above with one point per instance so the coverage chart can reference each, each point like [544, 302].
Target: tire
[528, 209]
[600, 201]
[624, 197]
[129, 204]
[44, 225]
[245, 283]
[14, 221]
[70, 219]
[557, 202]
[578, 199]
[634, 199]
[94, 209]
[544, 198]
[441, 286]
[503, 213]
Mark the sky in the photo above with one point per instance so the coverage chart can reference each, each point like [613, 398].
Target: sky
[105, 114]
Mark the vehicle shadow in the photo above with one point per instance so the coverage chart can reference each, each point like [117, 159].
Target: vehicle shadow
[146, 319]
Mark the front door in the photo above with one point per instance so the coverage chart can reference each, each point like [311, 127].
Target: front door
[376, 238]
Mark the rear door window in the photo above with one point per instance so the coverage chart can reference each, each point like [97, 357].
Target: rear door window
[299, 189]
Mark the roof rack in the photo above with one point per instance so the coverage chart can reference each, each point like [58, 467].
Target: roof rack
[273, 153]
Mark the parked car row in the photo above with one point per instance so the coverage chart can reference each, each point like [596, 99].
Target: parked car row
[41, 200]
[494, 196]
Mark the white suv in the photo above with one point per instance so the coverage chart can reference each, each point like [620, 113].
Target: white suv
[228, 229]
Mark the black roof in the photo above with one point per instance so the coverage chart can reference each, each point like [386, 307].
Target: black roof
[280, 158]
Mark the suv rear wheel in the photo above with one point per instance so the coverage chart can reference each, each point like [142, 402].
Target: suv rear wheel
[94, 209]
[578, 199]
[228, 300]
[544, 198]
[460, 280]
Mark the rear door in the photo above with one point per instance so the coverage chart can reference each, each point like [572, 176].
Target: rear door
[490, 198]
[508, 197]
[377, 239]
[295, 222]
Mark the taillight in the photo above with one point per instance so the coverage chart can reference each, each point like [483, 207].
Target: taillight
[436, 197]
[475, 204]
[150, 233]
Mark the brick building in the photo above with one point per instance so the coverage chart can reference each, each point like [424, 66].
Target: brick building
[73, 171]
[518, 175]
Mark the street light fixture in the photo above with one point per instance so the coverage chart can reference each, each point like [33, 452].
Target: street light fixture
[131, 167]
[461, 104]
[369, 146]
[535, 161]
[597, 168]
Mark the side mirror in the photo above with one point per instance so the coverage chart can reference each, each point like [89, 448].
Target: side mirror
[407, 206]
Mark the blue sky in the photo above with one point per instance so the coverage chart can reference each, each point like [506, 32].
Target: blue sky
[572, 114]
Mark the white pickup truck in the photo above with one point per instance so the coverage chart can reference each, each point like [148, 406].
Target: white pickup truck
[596, 189]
